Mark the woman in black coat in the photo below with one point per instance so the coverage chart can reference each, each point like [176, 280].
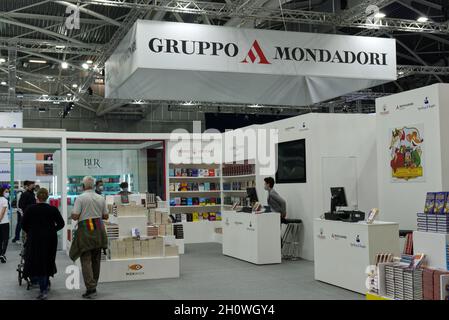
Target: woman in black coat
[41, 222]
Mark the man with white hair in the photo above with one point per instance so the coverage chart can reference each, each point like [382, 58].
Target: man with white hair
[90, 237]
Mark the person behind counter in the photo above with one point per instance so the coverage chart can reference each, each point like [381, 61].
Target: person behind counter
[125, 189]
[99, 187]
[275, 201]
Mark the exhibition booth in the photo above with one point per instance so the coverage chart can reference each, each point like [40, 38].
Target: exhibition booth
[333, 170]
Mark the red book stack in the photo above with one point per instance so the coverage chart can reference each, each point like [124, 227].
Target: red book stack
[428, 284]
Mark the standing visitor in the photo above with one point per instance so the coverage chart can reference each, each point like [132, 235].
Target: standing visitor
[125, 189]
[90, 237]
[99, 187]
[26, 199]
[4, 222]
[41, 222]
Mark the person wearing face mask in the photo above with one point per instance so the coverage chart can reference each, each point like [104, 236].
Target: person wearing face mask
[124, 187]
[99, 187]
[275, 201]
[4, 223]
[27, 199]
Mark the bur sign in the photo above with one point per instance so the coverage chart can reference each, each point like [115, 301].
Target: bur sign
[73, 17]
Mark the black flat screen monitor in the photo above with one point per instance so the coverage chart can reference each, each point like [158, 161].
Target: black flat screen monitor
[291, 157]
[252, 195]
[338, 198]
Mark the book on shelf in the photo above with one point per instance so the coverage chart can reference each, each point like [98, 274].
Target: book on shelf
[205, 216]
[183, 187]
[195, 186]
[194, 172]
[189, 201]
[218, 216]
[172, 187]
[440, 201]
[211, 172]
[195, 216]
[183, 201]
[188, 172]
[201, 187]
[177, 201]
[189, 217]
[212, 216]
[195, 201]
[178, 172]
[430, 203]
[207, 186]
[202, 201]
[171, 172]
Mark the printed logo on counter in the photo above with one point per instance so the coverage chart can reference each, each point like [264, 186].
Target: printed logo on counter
[426, 105]
[337, 236]
[321, 235]
[385, 110]
[404, 106]
[134, 270]
[358, 243]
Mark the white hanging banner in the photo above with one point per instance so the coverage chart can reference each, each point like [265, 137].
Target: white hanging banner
[174, 61]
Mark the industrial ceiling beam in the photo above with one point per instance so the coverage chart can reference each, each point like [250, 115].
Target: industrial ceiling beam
[41, 30]
[91, 13]
[224, 10]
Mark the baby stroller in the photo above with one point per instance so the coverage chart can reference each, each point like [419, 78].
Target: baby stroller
[20, 275]
[20, 267]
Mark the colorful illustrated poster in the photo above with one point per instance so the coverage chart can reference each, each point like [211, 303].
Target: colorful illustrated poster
[44, 169]
[407, 153]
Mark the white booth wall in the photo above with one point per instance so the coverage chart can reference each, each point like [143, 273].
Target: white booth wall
[427, 108]
[344, 145]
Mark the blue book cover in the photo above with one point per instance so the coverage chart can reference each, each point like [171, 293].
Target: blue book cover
[172, 202]
[206, 186]
[440, 201]
[430, 203]
[194, 172]
[171, 172]
[189, 202]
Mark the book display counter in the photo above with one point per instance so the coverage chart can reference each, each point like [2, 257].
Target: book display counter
[343, 250]
[135, 252]
[252, 237]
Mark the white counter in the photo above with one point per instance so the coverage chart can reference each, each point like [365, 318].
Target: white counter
[255, 238]
[344, 250]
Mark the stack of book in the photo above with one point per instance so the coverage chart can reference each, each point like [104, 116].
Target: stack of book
[413, 279]
[152, 231]
[112, 230]
[447, 256]
[389, 280]
[432, 223]
[422, 222]
[428, 284]
[443, 223]
[408, 248]
[193, 186]
[399, 283]
[178, 231]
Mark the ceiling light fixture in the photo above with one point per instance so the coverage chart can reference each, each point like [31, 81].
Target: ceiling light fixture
[188, 103]
[2, 60]
[423, 19]
[380, 15]
[64, 65]
[74, 85]
[37, 61]
[89, 62]
[85, 66]
[3, 83]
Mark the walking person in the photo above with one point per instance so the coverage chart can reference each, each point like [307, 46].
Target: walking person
[27, 199]
[4, 223]
[41, 222]
[90, 237]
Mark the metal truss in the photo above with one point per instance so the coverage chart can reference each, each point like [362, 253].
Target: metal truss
[405, 70]
[229, 10]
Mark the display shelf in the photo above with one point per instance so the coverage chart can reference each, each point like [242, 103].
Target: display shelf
[234, 191]
[195, 192]
[195, 178]
[206, 206]
[240, 176]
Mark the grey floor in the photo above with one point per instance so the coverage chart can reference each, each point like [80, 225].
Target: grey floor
[205, 274]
